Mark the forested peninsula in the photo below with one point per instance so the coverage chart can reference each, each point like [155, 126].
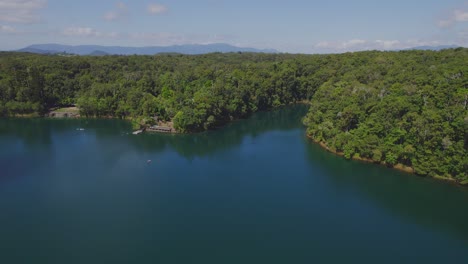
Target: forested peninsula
[406, 108]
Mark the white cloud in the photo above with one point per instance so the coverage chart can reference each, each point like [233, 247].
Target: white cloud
[156, 9]
[121, 5]
[87, 32]
[350, 44]
[463, 38]
[163, 38]
[455, 16]
[338, 46]
[21, 11]
[7, 29]
[112, 35]
[323, 44]
[463, 34]
[166, 38]
[444, 23]
[388, 44]
[359, 45]
[120, 12]
[111, 15]
[147, 38]
[460, 15]
[81, 31]
[356, 42]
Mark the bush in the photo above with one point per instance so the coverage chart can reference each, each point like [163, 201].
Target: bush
[348, 151]
[377, 155]
[390, 158]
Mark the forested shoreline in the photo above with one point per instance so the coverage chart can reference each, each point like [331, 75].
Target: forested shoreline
[407, 107]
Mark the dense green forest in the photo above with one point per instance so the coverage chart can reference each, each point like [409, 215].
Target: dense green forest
[407, 107]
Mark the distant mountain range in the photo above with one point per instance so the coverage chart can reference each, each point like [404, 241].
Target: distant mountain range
[96, 50]
[435, 48]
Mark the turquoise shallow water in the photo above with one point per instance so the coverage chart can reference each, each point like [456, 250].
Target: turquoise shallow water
[255, 191]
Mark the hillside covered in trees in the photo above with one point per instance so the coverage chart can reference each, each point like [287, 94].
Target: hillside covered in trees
[407, 107]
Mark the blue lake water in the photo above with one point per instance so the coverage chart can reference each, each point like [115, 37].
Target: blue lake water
[255, 191]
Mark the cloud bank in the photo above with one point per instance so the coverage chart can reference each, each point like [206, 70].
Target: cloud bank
[360, 44]
[7, 29]
[87, 32]
[455, 17]
[156, 9]
[118, 13]
[21, 11]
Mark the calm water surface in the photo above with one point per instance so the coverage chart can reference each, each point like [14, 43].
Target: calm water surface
[256, 191]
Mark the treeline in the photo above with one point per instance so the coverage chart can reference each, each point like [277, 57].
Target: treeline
[196, 92]
[407, 107]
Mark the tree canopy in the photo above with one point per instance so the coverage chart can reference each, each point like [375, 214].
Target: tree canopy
[407, 107]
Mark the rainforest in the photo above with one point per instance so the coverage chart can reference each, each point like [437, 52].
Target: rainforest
[405, 109]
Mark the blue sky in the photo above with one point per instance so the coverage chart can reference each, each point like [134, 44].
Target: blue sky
[289, 26]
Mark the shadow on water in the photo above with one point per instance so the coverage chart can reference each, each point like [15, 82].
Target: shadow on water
[29, 131]
[208, 143]
[436, 205]
[28, 140]
[39, 131]
[431, 203]
[92, 191]
[25, 141]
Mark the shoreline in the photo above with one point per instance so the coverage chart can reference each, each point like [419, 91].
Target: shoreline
[398, 166]
[59, 113]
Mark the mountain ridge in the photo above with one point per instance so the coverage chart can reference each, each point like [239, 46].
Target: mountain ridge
[434, 48]
[191, 49]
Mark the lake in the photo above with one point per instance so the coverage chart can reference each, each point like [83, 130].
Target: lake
[255, 191]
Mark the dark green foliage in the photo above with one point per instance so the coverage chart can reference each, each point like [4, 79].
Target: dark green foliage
[406, 107]
[397, 107]
[197, 92]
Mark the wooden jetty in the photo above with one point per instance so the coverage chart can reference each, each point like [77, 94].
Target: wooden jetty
[66, 112]
[163, 129]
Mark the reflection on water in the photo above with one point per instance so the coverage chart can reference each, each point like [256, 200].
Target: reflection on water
[39, 132]
[425, 201]
[207, 143]
[256, 190]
